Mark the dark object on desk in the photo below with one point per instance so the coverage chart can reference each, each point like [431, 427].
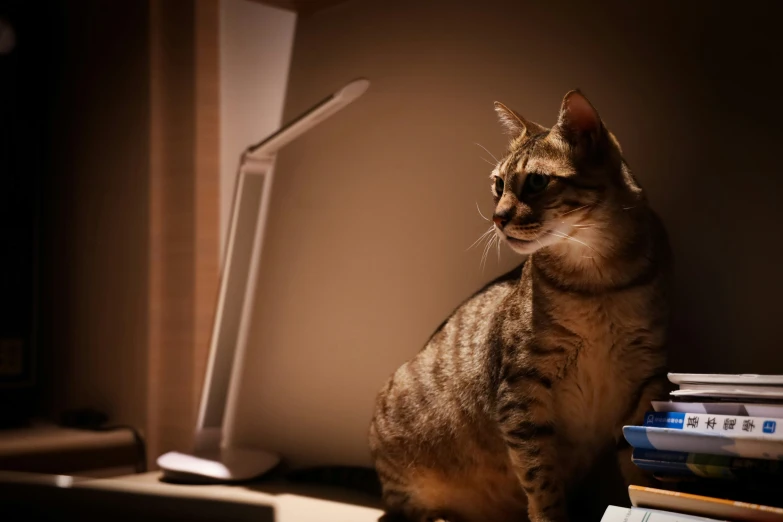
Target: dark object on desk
[47, 448]
[90, 419]
[85, 418]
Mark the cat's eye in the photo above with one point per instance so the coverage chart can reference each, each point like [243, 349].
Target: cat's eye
[499, 187]
[535, 182]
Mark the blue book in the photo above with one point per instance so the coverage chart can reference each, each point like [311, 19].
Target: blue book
[728, 425]
[756, 446]
[712, 466]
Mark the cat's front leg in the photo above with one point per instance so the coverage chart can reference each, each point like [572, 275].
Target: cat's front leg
[526, 418]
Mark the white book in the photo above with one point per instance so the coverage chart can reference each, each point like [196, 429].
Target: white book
[621, 514]
[730, 390]
[652, 498]
[722, 408]
[748, 379]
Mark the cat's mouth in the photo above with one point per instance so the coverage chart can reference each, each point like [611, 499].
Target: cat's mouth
[522, 246]
[522, 241]
[526, 246]
[515, 241]
[545, 238]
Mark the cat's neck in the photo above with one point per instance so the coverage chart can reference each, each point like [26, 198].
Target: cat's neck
[595, 259]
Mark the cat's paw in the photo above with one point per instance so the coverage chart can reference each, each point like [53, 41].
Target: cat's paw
[549, 518]
[554, 515]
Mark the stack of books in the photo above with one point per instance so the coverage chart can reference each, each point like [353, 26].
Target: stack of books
[716, 448]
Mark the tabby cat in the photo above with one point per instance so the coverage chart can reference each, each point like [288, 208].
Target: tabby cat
[514, 396]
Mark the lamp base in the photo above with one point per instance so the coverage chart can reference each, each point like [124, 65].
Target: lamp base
[224, 465]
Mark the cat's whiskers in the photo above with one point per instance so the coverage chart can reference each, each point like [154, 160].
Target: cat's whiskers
[487, 249]
[486, 256]
[574, 210]
[587, 225]
[489, 162]
[484, 253]
[488, 152]
[482, 236]
[480, 214]
[563, 235]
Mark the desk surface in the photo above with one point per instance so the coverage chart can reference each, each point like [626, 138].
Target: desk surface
[131, 496]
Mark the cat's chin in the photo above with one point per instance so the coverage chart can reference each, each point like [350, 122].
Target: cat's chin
[522, 246]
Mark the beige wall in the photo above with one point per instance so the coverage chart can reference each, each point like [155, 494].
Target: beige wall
[372, 211]
[255, 55]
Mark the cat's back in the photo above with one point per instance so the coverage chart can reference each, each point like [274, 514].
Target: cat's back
[469, 320]
[449, 378]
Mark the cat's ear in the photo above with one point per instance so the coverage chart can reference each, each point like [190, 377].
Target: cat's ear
[515, 124]
[578, 120]
[616, 143]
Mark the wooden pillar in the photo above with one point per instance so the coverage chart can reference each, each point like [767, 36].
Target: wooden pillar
[183, 263]
[207, 193]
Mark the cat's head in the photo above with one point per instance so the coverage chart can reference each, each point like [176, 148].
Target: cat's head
[560, 186]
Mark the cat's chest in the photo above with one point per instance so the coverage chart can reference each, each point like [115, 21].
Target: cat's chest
[598, 373]
[598, 326]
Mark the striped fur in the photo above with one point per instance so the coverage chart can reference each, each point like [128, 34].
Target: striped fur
[516, 394]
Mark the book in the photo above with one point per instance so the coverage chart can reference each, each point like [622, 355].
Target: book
[730, 390]
[723, 378]
[668, 463]
[621, 514]
[722, 408]
[729, 399]
[670, 439]
[702, 506]
[725, 425]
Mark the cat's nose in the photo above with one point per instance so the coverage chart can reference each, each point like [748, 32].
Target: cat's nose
[501, 220]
